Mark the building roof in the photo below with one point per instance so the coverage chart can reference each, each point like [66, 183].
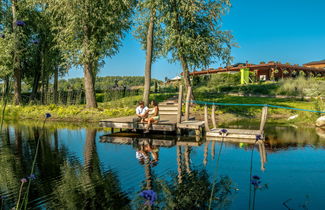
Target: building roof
[267, 66]
[315, 62]
[176, 78]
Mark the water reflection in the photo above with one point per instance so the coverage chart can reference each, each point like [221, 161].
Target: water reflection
[77, 170]
[87, 187]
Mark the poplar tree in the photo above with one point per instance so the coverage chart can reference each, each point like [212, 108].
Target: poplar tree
[87, 32]
[193, 33]
[150, 34]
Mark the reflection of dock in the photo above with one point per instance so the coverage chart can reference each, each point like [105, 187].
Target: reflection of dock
[234, 135]
[155, 140]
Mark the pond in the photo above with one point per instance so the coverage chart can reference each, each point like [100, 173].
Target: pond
[76, 169]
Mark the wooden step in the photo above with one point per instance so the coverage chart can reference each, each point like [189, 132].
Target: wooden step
[168, 112]
[168, 108]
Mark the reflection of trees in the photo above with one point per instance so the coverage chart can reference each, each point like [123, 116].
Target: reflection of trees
[9, 177]
[86, 187]
[282, 138]
[16, 161]
[191, 189]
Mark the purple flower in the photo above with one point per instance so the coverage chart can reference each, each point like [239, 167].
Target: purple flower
[3, 36]
[256, 181]
[20, 23]
[35, 41]
[258, 137]
[256, 177]
[32, 177]
[149, 195]
[48, 115]
[224, 131]
[24, 180]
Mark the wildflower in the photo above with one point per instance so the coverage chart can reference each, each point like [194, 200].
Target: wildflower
[35, 41]
[256, 177]
[224, 131]
[48, 115]
[32, 177]
[258, 137]
[150, 196]
[24, 180]
[20, 23]
[256, 181]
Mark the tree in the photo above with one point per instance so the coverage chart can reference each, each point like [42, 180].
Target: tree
[193, 34]
[149, 32]
[88, 31]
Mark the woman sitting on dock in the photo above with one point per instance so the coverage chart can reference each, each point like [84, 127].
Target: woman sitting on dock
[154, 116]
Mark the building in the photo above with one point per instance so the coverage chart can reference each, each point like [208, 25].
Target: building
[316, 64]
[268, 71]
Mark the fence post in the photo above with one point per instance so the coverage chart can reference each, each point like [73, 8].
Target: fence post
[187, 103]
[263, 118]
[213, 116]
[179, 108]
[206, 122]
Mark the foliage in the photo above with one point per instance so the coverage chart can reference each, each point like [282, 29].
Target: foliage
[194, 191]
[193, 31]
[302, 86]
[143, 11]
[117, 108]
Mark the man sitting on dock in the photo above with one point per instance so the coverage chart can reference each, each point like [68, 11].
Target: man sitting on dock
[142, 111]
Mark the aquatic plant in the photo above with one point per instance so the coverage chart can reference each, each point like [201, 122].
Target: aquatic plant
[256, 182]
[32, 175]
[20, 23]
[150, 196]
[223, 132]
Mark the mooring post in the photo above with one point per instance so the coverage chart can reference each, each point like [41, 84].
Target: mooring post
[206, 122]
[213, 116]
[179, 108]
[187, 103]
[263, 118]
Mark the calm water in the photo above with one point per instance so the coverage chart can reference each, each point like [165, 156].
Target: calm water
[76, 170]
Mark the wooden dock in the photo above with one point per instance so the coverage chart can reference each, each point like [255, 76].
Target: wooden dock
[171, 120]
[242, 134]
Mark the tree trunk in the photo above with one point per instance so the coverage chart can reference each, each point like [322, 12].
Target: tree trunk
[147, 76]
[55, 85]
[90, 149]
[37, 77]
[186, 75]
[16, 62]
[89, 86]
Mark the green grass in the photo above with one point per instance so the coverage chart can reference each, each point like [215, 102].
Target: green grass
[275, 114]
[117, 108]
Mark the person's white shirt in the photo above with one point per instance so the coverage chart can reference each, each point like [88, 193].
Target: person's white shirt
[140, 110]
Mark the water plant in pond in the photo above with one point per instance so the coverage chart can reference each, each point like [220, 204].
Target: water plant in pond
[32, 175]
[150, 196]
[224, 133]
[256, 183]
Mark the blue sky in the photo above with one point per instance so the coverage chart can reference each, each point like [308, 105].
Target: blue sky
[275, 30]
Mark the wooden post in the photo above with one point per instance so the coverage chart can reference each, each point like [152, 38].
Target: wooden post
[187, 103]
[179, 108]
[112, 130]
[213, 116]
[206, 122]
[263, 118]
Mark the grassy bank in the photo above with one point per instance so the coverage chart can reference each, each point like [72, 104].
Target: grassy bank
[117, 108]
[125, 106]
[230, 113]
